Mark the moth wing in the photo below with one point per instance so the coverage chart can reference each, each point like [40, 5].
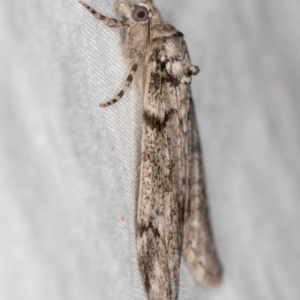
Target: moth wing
[160, 202]
[198, 247]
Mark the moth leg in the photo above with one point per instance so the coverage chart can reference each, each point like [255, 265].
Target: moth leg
[125, 87]
[114, 23]
[187, 77]
[193, 70]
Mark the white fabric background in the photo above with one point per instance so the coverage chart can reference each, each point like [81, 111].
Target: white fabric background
[68, 169]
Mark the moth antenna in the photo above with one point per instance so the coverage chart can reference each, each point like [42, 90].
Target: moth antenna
[125, 87]
[147, 43]
[110, 22]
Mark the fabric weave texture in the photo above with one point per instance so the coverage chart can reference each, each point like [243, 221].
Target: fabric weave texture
[69, 169]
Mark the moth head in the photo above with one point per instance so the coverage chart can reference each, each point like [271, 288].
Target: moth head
[143, 11]
[140, 13]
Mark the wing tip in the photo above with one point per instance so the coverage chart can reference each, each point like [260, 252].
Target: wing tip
[207, 275]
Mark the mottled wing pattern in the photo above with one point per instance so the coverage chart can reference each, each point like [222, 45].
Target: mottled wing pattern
[198, 248]
[172, 211]
[160, 204]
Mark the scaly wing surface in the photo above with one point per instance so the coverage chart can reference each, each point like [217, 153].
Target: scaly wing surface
[198, 248]
[160, 203]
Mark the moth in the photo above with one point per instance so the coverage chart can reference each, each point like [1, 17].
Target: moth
[172, 212]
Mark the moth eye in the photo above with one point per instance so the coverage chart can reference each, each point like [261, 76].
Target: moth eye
[140, 13]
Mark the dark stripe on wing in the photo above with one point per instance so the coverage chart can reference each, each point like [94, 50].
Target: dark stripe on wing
[155, 122]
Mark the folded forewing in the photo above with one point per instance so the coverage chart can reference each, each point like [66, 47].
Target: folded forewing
[160, 208]
[198, 248]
